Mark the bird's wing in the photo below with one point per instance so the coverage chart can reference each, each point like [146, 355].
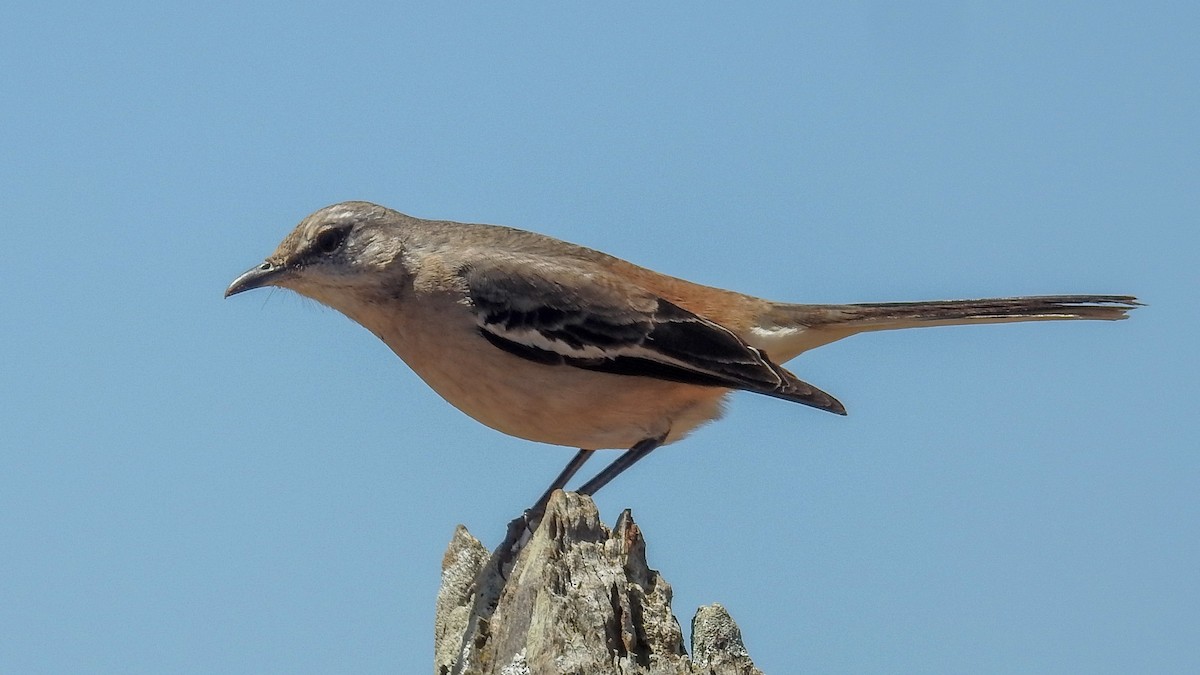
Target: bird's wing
[585, 317]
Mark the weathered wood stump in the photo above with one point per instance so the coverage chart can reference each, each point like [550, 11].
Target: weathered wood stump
[576, 599]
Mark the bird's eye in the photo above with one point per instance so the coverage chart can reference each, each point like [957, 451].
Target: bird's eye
[331, 240]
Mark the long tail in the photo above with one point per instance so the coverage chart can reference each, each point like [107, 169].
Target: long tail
[794, 329]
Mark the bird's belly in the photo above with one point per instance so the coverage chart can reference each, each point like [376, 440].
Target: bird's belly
[557, 404]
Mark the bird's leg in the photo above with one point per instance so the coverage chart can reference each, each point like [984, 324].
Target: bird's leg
[565, 475]
[631, 456]
[522, 527]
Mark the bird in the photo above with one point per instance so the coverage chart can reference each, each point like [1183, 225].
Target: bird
[557, 343]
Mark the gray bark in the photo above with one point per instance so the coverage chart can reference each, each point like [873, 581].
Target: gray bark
[572, 598]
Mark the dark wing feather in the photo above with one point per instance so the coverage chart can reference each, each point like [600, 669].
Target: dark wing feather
[591, 320]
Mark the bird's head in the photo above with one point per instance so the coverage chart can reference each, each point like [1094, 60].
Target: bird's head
[333, 256]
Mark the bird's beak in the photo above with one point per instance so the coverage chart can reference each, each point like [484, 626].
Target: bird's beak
[256, 277]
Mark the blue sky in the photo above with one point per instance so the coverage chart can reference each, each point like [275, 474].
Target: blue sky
[189, 484]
